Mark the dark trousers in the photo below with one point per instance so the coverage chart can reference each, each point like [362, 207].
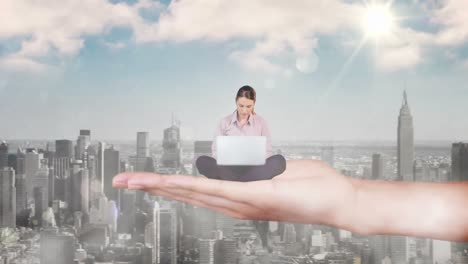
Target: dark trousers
[274, 165]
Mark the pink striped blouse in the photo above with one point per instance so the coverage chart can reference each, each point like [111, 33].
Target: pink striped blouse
[255, 126]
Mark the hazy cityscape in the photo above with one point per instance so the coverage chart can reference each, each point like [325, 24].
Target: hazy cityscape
[58, 205]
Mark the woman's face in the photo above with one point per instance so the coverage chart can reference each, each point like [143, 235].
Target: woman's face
[244, 106]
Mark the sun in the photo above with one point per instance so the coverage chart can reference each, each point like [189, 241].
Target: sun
[378, 20]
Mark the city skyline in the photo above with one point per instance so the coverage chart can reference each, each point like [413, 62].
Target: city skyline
[142, 61]
[76, 185]
[92, 89]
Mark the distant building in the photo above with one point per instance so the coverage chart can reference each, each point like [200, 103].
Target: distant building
[405, 142]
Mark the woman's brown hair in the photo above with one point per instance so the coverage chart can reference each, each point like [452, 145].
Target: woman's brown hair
[247, 92]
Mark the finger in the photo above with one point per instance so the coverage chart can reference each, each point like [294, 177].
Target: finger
[121, 179]
[213, 202]
[243, 192]
[195, 202]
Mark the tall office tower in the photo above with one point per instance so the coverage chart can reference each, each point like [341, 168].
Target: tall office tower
[56, 248]
[52, 183]
[82, 143]
[227, 252]
[41, 179]
[139, 161]
[154, 237]
[201, 148]
[142, 144]
[328, 155]
[172, 152]
[377, 166]
[20, 162]
[7, 198]
[459, 162]
[127, 211]
[150, 165]
[405, 147]
[100, 164]
[459, 173]
[420, 171]
[39, 206]
[206, 249]
[61, 167]
[168, 217]
[111, 168]
[91, 160]
[13, 161]
[64, 148]
[32, 163]
[79, 185]
[3, 155]
[289, 233]
[21, 199]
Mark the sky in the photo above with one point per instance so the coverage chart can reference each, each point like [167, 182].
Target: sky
[322, 70]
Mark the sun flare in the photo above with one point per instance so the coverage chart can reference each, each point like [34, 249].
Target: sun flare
[378, 20]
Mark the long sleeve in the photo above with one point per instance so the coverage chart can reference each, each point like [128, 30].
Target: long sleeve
[266, 133]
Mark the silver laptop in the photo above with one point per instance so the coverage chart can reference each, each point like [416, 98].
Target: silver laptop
[241, 150]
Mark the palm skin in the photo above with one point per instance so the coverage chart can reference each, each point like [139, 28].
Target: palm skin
[309, 191]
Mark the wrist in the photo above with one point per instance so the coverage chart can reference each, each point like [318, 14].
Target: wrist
[348, 210]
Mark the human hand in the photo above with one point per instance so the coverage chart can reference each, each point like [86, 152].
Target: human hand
[309, 191]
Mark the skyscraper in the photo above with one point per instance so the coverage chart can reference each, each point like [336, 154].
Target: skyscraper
[41, 179]
[206, 249]
[7, 198]
[156, 236]
[377, 166]
[172, 152]
[228, 251]
[142, 152]
[459, 162]
[79, 183]
[39, 206]
[142, 144]
[405, 144]
[168, 217]
[21, 199]
[111, 168]
[100, 164]
[3, 155]
[82, 143]
[64, 148]
[32, 162]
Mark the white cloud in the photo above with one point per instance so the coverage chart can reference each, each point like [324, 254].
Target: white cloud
[59, 28]
[277, 28]
[399, 58]
[452, 16]
[22, 64]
